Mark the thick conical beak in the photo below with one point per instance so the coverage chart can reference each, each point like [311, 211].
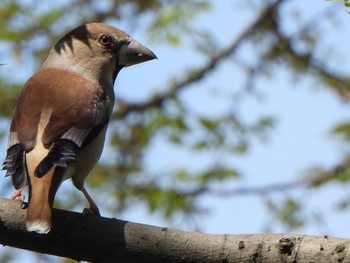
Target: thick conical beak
[134, 53]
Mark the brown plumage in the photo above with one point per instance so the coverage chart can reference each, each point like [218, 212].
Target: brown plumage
[59, 124]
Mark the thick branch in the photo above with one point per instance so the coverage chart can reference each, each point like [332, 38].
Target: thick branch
[101, 239]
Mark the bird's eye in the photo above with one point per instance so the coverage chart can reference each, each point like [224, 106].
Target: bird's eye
[104, 40]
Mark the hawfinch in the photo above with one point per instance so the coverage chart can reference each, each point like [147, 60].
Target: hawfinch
[60, 120]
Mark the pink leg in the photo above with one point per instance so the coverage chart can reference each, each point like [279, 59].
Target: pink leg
[17, 195]
[93, 210]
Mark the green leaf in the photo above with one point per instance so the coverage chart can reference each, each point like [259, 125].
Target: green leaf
[47, 19]
[200, 145]
[208, 124]
[342, 205]
[175, 138]
[217, 174]
[241, 147]
[182, 175]
[288, 211]
[173, 39]
[343, 130]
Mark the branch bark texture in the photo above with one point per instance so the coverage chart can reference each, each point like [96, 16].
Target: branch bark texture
[99, 239]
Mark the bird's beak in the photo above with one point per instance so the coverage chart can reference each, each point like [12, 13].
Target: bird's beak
[134, 53]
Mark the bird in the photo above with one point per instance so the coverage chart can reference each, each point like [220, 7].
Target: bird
[59, 123]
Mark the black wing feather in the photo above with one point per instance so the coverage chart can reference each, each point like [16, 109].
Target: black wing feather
[14, 166]
[61, 153]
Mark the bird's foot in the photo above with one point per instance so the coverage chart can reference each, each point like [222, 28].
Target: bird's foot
[17, 195]
[91, 211]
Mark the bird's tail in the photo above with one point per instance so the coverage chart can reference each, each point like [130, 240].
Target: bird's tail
[41, 196]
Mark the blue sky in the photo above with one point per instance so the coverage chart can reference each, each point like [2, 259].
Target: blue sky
[305, 112]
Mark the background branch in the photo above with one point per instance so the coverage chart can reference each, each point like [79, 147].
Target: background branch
[124, 108]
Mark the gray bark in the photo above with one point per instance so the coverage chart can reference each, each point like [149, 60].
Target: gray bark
[100, 239]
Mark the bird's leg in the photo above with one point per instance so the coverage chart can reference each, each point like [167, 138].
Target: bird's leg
[93, 210]
[17, 195]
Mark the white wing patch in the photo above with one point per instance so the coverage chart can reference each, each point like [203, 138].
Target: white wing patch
[12, 139]
[76, 135]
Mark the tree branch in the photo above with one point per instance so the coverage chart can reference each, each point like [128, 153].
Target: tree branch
[124, 108]
[101, 239]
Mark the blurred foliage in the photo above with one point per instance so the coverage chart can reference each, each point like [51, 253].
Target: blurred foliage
[346, 3]
[6, 257]
[174, 192]
[289, 211]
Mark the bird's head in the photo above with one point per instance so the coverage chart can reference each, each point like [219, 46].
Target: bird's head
[97, 51]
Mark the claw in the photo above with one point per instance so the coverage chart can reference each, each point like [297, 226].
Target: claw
[91, 211]
[18, 196]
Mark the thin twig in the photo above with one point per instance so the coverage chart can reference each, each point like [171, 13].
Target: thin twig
[196, 75]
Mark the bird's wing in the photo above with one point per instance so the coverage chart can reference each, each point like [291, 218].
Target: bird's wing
[78, 108]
